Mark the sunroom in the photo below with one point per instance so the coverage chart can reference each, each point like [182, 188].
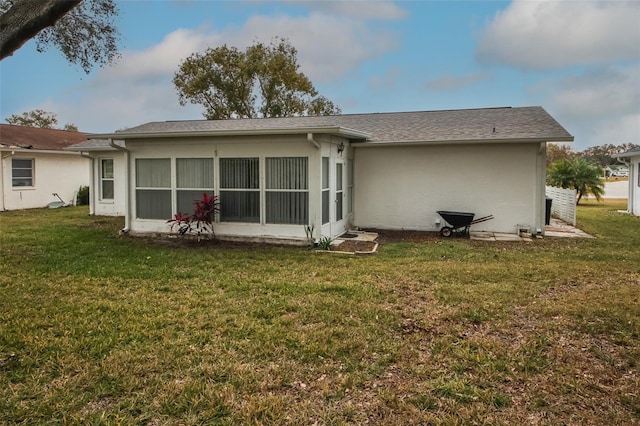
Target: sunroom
[281, 186]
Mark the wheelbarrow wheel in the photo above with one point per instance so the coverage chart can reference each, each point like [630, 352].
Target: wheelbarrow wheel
[446, 231]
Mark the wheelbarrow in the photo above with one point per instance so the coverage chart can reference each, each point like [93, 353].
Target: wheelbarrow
[459, 221]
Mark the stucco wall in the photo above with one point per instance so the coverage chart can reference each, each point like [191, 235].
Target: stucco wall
[116, 206]
[61, 173]
[276, 146]
[403, 187]
[634, 185]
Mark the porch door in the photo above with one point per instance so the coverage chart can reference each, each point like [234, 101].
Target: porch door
[334, 195]
[339, 223]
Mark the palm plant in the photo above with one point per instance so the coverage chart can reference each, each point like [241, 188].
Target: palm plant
[579, 174]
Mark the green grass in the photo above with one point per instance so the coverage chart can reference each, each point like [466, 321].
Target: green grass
[101, 329]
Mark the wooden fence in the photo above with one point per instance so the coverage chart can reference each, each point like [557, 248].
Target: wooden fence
[563, 206]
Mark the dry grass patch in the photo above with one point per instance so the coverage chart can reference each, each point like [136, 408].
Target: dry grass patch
[103, 329]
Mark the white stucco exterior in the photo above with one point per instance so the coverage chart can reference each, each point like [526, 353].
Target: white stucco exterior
[53, 172]
[634, 184]
[105, 206]
[239, 147]
[402, 187]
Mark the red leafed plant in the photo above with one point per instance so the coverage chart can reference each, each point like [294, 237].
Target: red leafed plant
[201, 221]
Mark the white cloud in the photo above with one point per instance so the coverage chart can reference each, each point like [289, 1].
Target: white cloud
[358, 9]
[139, 88]
[552, 34]
[453, 82]
[600, 106]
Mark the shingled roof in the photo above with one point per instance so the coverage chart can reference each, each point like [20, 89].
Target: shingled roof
[486, 124]
[22, 137]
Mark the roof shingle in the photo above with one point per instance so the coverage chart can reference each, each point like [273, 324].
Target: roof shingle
[24, 137]
[421, 126]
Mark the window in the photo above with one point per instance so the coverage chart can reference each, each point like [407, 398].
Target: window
[22, 172]
[339, 192]
[287, 190]
[239, 190]
[325, 190]
[153, 188]
[194, 176]
[106, 179]
[637, 173]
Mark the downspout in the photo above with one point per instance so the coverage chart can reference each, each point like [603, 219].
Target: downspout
[127, 187]
[312, 140]
[2, 199]
[317, 219]
[92, 175]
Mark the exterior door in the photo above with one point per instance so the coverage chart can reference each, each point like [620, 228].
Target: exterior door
[334, 196]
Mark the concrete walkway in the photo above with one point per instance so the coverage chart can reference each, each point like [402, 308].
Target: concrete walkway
[556, 229]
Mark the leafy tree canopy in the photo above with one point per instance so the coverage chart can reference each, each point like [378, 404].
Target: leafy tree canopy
[577, 173]
[83, 30]
[261, 81]
[39, 118]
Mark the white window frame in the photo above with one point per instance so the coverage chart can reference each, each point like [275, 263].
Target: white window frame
[248, 189]
[298, 186]
[32, 177]
[139, 188]
[104, 179]
[209, 189]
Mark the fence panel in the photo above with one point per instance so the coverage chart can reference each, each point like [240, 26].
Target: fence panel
[563, 206]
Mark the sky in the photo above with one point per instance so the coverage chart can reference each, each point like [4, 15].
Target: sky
[580, 60]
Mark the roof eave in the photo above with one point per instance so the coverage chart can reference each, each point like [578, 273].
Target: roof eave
[465, 141]
[338, 131]
[627, 154]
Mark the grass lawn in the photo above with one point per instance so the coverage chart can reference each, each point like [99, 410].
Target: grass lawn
[101, 329]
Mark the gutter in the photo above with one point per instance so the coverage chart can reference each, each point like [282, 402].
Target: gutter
[127, 186]
[334, 130]
[370, 144]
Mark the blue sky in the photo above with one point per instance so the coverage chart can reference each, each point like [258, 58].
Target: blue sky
[580, 60]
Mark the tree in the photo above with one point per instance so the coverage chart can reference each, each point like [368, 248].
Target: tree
[39, 118]
[83, 30]
[262, 81]
[604, 154]
[557, 152]
[579, 174]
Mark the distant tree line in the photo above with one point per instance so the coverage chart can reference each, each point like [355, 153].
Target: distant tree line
[602, 155]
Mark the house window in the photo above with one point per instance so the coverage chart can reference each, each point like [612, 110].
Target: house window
[153, 188]
[22, 172]
[194, 176]
[106, 179]
[339, 192]
[287, 190]
[239, 190]
[325, 190]
[637, 173]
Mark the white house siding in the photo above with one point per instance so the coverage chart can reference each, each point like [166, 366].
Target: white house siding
[403, 187]
[104, 206]
[61, 173]
[217, 148]
[634, 185]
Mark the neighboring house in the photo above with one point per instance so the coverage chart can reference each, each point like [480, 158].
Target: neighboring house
[632, 159]
[276, 176]
[616, 171]
[34, 166]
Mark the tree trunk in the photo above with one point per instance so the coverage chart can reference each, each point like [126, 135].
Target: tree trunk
[27, 18]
